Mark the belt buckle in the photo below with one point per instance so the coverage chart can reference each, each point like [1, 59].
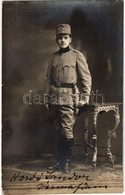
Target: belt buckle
[58, 83]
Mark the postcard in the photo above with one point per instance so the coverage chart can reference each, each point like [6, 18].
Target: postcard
[62, 97]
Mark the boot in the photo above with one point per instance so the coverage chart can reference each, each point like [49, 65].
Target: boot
[61, 154]
[67, 166]
[68, 156]
[64, 155]
[55, 167]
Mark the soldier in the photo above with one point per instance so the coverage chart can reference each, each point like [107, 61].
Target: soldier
[66, 67]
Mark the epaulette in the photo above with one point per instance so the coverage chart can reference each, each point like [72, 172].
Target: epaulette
[76, 51]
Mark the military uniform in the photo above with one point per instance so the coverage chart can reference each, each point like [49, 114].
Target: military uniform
[66, 67]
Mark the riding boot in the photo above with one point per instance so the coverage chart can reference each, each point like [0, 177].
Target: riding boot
[61, 154]
[68, 155]
[64, 147]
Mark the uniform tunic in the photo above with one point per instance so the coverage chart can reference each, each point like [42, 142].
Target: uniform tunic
[67, 67]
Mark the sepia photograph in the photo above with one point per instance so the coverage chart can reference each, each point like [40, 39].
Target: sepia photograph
[62, 97]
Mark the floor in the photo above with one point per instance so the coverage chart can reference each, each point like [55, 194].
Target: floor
[29, 175]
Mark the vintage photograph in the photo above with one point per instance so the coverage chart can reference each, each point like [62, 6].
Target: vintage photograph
[62, 97]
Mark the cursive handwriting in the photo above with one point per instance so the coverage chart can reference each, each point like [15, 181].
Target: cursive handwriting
[18, 176]
[73, 176]
[80, 186]
[50, 176]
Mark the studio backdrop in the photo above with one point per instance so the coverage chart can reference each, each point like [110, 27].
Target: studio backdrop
[28, 40]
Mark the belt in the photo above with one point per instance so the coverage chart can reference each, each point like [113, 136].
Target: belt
[59, 84]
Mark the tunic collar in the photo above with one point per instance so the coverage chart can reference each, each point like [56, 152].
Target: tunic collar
[64, 50]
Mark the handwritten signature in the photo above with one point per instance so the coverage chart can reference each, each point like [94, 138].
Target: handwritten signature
[48, 176]
[80, 186]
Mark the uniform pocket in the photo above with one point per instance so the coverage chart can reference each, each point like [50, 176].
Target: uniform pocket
[69, 70]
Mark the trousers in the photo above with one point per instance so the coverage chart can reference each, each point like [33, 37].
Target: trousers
[65, 120]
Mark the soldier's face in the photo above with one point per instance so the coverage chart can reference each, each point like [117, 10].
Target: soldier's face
[63, 41]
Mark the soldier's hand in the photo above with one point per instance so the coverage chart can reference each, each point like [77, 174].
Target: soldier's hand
[47, 106]
[81, 103]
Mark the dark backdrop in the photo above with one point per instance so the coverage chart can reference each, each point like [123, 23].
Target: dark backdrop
[29, 40]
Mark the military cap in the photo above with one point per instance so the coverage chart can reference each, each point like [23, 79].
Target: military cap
[63, 29]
